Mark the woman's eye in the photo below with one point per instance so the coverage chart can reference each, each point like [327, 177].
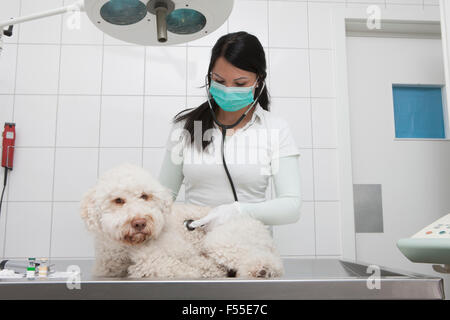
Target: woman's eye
[119, 201]
[238, 84]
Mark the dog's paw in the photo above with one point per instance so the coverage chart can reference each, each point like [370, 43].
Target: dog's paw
[260, 271]
[263, 272]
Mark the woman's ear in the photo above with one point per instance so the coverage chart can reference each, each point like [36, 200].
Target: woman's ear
[88, 210]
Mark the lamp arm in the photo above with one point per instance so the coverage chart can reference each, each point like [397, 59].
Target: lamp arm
[77, 6]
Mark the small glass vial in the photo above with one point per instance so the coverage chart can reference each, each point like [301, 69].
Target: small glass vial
[31, 269]
[43, 267]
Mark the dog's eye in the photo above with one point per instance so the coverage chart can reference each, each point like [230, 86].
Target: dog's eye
[146, 196]
[119, 201]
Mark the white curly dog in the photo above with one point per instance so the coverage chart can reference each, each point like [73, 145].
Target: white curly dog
[139, 232]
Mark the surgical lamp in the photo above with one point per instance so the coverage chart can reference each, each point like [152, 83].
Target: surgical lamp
[144, 22]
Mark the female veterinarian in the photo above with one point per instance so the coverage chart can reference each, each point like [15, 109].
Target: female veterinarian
[227, 149]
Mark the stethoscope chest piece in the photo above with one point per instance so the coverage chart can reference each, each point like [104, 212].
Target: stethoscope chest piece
[187, 224]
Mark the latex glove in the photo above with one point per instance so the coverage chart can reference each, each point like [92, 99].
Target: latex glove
[218, 215]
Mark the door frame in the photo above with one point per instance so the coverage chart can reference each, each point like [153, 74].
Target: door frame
[341, 17]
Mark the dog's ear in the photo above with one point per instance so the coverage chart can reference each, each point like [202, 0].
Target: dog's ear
[88, 211]
[166, 200]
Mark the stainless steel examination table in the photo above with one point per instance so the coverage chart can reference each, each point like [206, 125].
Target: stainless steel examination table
[304, 279]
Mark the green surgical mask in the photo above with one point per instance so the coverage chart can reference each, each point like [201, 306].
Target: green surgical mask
[231, 98]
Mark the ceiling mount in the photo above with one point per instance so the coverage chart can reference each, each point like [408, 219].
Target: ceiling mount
[161, 8]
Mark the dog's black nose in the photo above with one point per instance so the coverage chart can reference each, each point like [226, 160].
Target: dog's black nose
[138, 224]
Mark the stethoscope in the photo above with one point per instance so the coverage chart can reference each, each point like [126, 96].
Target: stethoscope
[224, 128]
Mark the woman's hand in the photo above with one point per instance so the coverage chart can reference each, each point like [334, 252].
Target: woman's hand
[217, 216]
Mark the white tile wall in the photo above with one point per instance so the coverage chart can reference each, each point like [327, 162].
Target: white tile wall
[42, 31]
[165, 71]
[290, 74]
[193, 102]
[153, 158]
[197, 67]
[325, 174]
[8, 69]
[298, 238]
[75, 172]
[297, 112]
[110, 157]
[123, 71]
[121, 121]
[251, 16]
[66, 224]
[327, 231]
[28, 229]
[37, 130]
[37, 69]
[321, 64]
[81, 69]
[74, 128]
[158, 114]
[418, 2]
[307, 174]
[84, 102]
[212, 38]
[32, 176]
[366, 2]
[293, 32]
[6, 109]
[324, 122]
[319, 18]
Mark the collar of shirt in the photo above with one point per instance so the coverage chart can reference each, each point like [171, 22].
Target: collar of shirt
[257, 115]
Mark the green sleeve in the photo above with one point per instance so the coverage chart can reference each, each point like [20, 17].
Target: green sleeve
[171, 174]
[285, 208]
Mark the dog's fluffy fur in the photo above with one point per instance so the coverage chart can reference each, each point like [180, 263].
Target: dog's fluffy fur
[139, 233]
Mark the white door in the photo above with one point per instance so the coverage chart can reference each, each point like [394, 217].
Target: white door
[414, 174]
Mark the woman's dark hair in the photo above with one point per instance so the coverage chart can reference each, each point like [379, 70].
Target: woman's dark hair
[242, 50]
